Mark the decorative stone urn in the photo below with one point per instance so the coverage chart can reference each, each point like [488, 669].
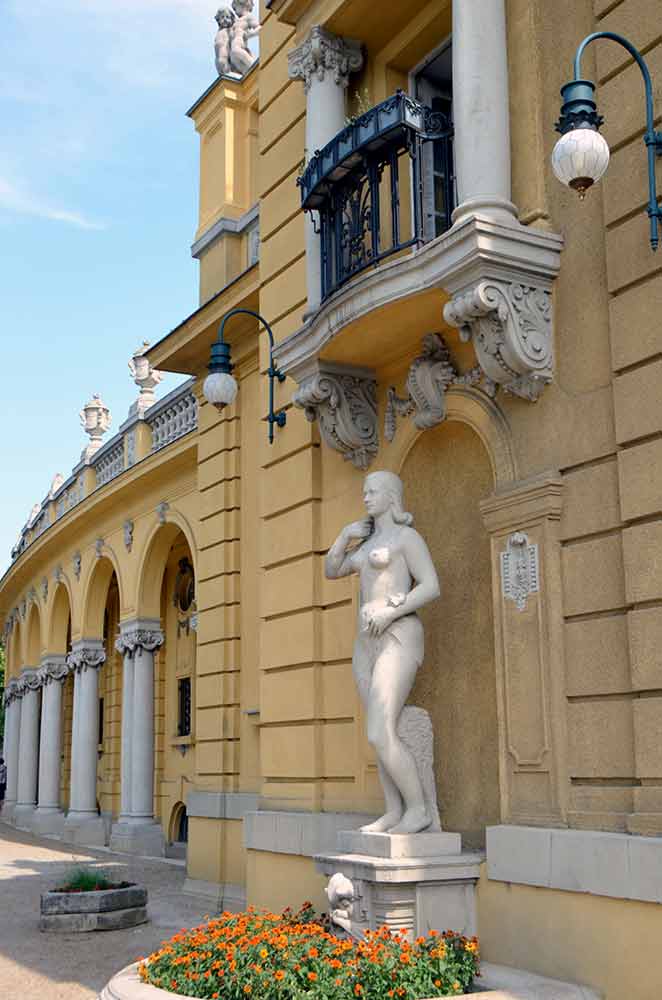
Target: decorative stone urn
[103, 910]
[497, 982]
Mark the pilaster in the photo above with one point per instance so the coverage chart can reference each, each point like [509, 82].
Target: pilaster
[523, 523]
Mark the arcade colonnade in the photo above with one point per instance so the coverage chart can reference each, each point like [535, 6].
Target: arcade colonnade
[34, 742]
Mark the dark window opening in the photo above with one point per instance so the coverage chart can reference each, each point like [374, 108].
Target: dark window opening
[184, 710]
[434, 87]
[181, 831]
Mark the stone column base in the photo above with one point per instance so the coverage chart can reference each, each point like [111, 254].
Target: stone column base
[143, 839]
[7, 812]
[23, 817]
[434, 891]
[84, 829]
[47, 822]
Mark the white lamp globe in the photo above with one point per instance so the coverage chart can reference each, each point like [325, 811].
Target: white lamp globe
[220, 389]
[580, 158]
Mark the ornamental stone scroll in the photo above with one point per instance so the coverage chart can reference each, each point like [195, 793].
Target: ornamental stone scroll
[510, 325]
[323, 52]
[343, 400]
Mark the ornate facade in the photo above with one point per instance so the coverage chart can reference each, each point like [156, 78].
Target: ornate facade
[180, 669]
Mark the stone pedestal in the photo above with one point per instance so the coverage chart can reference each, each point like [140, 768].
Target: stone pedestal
[84, 830]
[433, 889]
[144, 839]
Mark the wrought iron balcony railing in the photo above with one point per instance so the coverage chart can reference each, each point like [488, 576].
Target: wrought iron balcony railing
[381, 186]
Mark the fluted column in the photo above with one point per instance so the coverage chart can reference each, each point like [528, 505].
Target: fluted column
[28, 749]
[136, 831]
[49, 818]
[480, 110]
[323, 61]
[83, 823]
[13, 701]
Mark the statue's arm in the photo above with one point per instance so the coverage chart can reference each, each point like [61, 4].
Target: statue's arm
[426, 587]
[338, 559]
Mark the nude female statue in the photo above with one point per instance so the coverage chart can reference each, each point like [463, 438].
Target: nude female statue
[397, 577]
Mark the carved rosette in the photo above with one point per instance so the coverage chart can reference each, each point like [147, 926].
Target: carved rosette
[345, 406]
[510, 325]
[55, 670]
[139, 638]
[86, 658]
[324, 53]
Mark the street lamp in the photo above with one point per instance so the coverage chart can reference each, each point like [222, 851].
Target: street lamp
[220, 387]
[581, 155]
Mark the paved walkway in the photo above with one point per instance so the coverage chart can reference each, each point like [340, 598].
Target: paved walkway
[36, 966]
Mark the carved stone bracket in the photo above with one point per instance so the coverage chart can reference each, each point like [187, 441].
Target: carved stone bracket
[86, 658]
[323, 53]
[510, 325]
[344, 403]
[431, 374]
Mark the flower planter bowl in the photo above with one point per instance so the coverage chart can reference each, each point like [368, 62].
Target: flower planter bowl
[499, 983]
[104, 910]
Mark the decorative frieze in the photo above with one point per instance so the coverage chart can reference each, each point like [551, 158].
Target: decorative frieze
[510, 326]
[343, 400]
[323, 53]
[430, 376]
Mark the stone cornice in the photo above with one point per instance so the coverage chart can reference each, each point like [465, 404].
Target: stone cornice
[528, 502]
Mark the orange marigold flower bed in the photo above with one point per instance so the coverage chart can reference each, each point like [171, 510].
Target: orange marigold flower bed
[269, 956]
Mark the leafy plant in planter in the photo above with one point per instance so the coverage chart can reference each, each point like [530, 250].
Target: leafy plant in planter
[256, 955]
[83, 879]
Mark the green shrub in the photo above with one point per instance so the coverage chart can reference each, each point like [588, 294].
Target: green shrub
[85, 880]
[255, 956]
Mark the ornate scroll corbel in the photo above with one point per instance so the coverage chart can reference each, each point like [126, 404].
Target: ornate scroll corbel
[431, 374]
[510, 325]
[345, 406]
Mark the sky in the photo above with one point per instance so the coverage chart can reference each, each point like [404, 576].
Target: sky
[98, 209]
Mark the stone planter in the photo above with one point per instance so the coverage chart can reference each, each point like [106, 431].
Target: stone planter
[499, 983]
[106, 910]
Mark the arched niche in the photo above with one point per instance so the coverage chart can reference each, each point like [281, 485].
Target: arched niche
[33, 644]
[95, 597]
[58, 638]
[154, 560]
[446, 472]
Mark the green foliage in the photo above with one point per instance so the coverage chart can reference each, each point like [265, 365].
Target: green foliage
[83, 879]
[266, 956]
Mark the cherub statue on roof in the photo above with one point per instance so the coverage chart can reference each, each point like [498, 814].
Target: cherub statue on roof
[236, 26]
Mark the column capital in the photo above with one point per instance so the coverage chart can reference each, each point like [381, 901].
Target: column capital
[323, 52]
[30, 680]
[13, 691]
[53, 668]
[140, 633]
[87, 654]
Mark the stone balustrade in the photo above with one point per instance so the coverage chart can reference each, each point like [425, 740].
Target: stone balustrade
[168, 420]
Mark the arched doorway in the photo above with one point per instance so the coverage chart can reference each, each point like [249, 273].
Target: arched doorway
[178, 836]
[446, 474]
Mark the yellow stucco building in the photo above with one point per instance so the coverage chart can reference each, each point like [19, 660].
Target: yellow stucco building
[179, 668]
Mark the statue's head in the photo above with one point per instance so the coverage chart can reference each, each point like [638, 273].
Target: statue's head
[383, 491]
[242, 7]
[224, 17]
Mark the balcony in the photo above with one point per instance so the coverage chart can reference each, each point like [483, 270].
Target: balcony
[382, 186]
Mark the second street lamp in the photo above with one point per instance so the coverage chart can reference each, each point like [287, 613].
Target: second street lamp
[581, 155]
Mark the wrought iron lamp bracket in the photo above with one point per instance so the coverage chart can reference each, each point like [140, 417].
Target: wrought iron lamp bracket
[579, 111]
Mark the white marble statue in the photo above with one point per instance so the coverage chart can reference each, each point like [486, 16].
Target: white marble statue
[236, 26]
[397, 577]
